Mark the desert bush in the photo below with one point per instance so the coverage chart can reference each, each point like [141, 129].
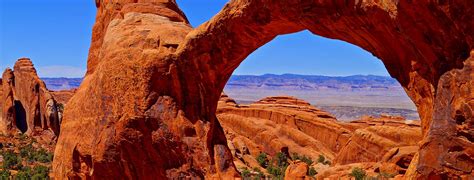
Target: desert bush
[23, 173]
[321, 159]
[245, 174]
[312, 172]
[281, 159]
[358, 173]
[262, 159]
[42, 156]
[11, 160]
[5, 174]
[276, 172]
[303, 158]
[39, 172]
[25, 151]
[32, 155]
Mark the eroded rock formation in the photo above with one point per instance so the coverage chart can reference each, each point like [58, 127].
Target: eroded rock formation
[128, 117]
[280, 122]
[28, 106]
[147, 105]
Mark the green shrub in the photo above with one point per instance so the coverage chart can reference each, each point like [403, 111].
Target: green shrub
[38, 172]
[10, 160]
[42, 156]
[5, 174]
[303, 158]
[358, 173]
[276, 172]
[281, 159]
[245, 174]
[262, 160]
[23, 173]
[312, 172]
[327, 162]
[321, 159]
[25, 151]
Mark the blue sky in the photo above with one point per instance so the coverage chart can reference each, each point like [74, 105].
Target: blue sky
[56, 35]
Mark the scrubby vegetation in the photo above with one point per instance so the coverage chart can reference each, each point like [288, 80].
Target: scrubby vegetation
[312, 172]
[259, 174]
[358, 173]
[24, 160]
[245, 173]
[303, 158]
[322, 160]
[276, 165]
[262, 159]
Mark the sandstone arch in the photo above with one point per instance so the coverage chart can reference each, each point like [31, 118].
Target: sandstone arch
[152, 78]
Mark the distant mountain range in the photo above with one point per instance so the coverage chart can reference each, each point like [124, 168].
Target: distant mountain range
[273, 81]
[57, 84]
[347, 97]
[312, 82]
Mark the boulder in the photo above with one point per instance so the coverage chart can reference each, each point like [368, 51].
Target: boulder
[296, 170]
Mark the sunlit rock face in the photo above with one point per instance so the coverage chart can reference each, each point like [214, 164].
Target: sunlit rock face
[284, 122]
[146, 108]
[27, 105]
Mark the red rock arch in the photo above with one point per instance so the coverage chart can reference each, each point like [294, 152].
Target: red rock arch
[152, 78]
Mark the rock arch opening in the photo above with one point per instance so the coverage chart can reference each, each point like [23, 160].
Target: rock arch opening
[333, 75]
[20, 115]
[302, 117]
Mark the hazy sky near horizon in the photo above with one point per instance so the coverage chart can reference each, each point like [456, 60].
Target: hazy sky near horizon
[56, 35]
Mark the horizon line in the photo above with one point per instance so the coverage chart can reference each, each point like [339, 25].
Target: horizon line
[261, 75]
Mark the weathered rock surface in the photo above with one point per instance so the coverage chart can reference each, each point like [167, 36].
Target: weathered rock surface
[296, 170]
[276, 122]
[128, 118]
[27, 105]
[146, 108]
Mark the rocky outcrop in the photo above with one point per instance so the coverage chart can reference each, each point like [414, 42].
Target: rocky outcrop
[128, 118]
[8, 109]
[276, 122]
[371, 143]
[28, 106]
[153, 83]
[296, 170]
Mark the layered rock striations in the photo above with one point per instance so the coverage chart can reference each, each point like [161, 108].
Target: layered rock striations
[273, 123]
[28, 106]
[147, 105]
